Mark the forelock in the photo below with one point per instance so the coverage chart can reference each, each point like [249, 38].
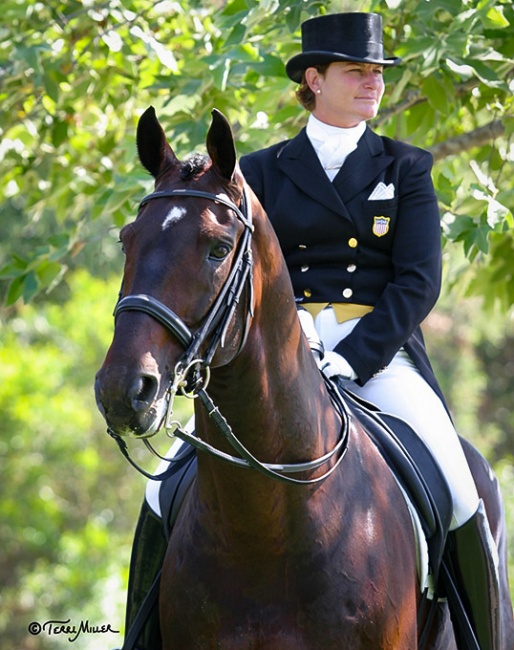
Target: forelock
[194, 165]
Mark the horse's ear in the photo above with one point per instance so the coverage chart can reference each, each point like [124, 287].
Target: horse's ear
[153, 149]
[220, 145]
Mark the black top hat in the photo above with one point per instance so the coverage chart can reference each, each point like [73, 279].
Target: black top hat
[340, 37]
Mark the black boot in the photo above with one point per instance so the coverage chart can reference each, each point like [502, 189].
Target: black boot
[474, 564]
[148, 553]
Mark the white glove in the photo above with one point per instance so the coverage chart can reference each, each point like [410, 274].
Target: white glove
[334, 364]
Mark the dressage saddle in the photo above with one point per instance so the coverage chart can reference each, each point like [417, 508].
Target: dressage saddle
[415, 469]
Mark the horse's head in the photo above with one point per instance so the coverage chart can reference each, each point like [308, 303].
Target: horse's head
[188, 261]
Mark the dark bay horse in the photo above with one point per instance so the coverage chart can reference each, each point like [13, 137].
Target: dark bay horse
[324, 558]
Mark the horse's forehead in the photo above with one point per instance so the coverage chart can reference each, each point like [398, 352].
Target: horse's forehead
[183, 207]
[175, 214]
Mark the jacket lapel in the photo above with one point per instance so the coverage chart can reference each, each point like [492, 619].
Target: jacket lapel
[362, 166]
[299, 162]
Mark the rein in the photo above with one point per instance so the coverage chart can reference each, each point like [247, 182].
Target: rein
[187, 376]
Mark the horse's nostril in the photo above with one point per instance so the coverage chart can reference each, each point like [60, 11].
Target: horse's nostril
[143, 392]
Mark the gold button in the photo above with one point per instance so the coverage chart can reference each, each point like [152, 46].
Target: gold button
[307, 293]
[379, 371]
[302, 246]
[351, 268]
[352, 242]
[304, 268]
[347, 293]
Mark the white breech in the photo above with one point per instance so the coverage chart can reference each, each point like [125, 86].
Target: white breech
[402, 391]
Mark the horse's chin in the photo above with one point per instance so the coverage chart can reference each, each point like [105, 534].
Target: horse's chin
[140, 425]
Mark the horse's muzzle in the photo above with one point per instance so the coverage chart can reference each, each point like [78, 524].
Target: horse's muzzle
[131, 408]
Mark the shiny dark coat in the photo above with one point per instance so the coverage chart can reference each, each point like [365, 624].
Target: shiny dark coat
[327, 234]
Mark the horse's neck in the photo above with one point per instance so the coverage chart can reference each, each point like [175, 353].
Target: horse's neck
[272, 394]
[274, 385]
[273, 398]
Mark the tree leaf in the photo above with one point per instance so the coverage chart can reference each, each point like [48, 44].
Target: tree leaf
[436, 94]
[494, 18]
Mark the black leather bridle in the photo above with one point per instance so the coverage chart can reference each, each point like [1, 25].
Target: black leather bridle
[215, 327]
[222, 310]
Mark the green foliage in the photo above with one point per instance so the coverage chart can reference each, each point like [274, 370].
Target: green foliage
[68, 500]
[75, 76]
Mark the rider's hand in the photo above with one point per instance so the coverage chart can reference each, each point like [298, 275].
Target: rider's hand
[334, 364]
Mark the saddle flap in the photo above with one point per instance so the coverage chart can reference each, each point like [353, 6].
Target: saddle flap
[174, 488]
[416, 469]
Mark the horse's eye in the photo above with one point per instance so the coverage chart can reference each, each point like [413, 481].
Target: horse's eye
[219, 251]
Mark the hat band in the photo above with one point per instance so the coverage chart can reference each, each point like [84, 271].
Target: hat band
[353, 50]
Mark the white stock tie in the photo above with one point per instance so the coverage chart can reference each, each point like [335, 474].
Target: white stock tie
[333, 144]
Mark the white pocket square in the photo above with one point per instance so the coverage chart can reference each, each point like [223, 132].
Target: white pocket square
[381, 192]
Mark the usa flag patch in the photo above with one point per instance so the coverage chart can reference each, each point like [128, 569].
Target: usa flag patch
[381, 226]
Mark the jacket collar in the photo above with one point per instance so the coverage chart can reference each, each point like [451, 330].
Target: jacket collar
[298, 160]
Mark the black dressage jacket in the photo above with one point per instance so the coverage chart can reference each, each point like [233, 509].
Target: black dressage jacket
[340, 246]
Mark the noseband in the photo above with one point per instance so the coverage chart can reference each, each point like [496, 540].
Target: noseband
[215, 326]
